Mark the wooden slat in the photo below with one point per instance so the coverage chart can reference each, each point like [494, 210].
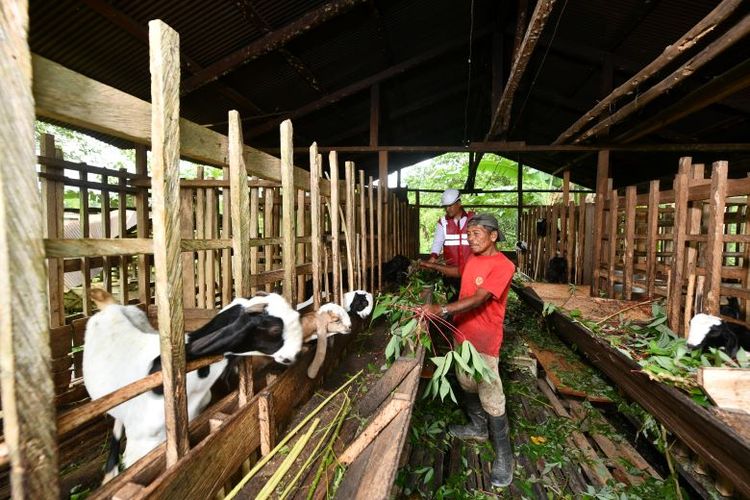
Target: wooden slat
[240, 234]
[268, 249]
[333, 161]
[288, 249]
[602, 172]
[200, 233]
[349, 221]
[371, 234]
[613, 217]
[678, 258]
[27, 390]
[315, 221]
[695, 210]
[226, 255]
[53, 216]
[122, 219]
[211, 232]
[651, 234]
[300, 225]
[630, 195]
[363, 229]
[165, 94]
[187, 232]
[714, 247]
[142, 214]
[254, 212]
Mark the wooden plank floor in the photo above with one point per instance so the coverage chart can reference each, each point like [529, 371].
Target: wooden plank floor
[550, 462]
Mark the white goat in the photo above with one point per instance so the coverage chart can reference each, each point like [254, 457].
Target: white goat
[121, 347]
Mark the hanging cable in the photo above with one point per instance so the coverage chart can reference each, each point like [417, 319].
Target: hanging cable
[468, 87]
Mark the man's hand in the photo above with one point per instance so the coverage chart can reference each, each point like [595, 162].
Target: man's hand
[433, 309]
[433, 259]
[427, 264]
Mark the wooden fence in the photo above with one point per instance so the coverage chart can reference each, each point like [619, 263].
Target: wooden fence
[689, 244]
[195, 244]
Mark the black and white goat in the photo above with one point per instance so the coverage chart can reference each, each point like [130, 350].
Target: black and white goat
[396, 270]
[122, 347]
[711, 331]
[358, 302]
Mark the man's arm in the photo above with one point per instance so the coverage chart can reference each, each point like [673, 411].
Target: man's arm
[437, 243]
[450, 271]
[466, 304]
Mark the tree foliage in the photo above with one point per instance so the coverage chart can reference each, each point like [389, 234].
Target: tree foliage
[494, 172]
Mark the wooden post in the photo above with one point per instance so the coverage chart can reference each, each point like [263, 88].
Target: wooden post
[333, 160]
[300, 246]
[715, 245]
[651, 237]
[613, 216]
[165, 96]
[382, 214]
[694, 172]
[27, 389]
[519, 192]
[122, 219]
[350, 268]
[363, 228]
[678, 255]
[107, 233]
[602, 173]
[187, 231]
[267, 421]
[200, 234]
[630, 203]
[52, 194]
[315, 165]
[141, 209]
[254, 206]
[211, 233]
[268, 195]
[226, 255]
[571, 238]
[288, 256]
[240, 236]
[371, 235]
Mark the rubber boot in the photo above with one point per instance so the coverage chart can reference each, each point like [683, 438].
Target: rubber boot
[502, 467]
[476, 429]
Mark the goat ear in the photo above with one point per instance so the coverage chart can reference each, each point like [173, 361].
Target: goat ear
[101, 297]
[320, 348]
[257, 308]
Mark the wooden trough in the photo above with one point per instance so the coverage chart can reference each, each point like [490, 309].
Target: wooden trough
[708, 436]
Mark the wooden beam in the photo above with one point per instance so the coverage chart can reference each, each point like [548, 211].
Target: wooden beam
[165, 82]
[271, 41]
[686, 42]
[139, 32]
[25, 357]
[64, 95]
[239, 208]
[252, 15]
[737, 33]
[361, 85]
[718, 89]
[602, 173]
[521, 147]
[501, 116]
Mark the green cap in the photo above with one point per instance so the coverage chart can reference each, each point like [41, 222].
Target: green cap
[488, 221]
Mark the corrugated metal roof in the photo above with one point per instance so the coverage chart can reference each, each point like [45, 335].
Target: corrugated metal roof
[426, 104]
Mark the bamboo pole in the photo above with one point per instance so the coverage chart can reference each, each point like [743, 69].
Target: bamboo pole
[315, 220]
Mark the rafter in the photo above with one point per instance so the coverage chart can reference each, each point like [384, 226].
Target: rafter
[686, 42]
[714, 49]
[140, 33]
[500, 122]
[254, 17]
[360, 85]
[271, 41]
[721, 87]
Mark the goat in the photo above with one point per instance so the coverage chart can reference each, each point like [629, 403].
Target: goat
[121, 347]
[396, 270]
[330, 319]
[557, 270]
[522, 247]
[710, 331]
[731, 308]
[358, 302]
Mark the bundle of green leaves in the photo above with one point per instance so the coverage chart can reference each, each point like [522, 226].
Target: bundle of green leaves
[411, 327]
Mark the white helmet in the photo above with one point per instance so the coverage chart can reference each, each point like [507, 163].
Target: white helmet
[450, 196]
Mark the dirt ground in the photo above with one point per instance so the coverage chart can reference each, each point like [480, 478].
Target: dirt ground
[593, 308]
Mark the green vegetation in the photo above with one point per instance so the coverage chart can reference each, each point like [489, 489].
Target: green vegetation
[494, 172]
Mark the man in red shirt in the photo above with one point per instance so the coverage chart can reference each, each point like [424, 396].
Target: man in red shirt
[478, 314]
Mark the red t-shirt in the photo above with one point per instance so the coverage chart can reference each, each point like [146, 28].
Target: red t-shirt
[483, 326]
